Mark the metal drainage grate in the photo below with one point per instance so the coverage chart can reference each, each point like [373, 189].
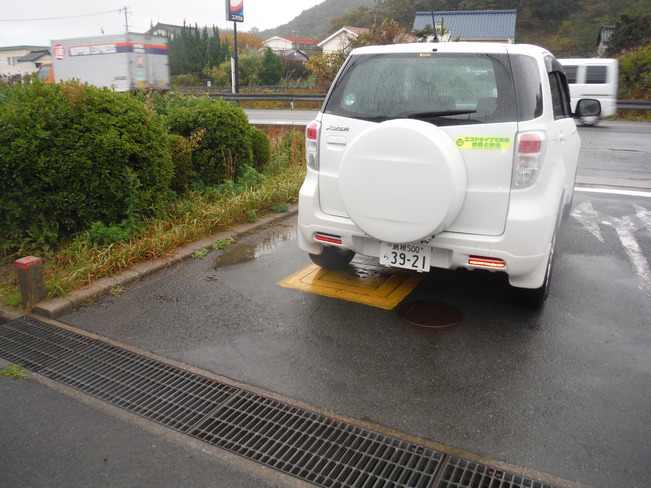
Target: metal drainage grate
[316, 448]
[35, 344]
[168, 395]
[460, 473]
[309, 446]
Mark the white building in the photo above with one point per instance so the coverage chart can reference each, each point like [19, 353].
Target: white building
[340, 40]
[22, 60]
[283, 46]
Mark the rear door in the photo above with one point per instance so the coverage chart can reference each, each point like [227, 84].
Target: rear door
[469, 96]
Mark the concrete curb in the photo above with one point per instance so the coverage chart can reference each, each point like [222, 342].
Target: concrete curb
[57, 307]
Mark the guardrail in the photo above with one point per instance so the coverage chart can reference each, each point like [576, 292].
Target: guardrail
[320, 97]
[633, 104]
[271, 97]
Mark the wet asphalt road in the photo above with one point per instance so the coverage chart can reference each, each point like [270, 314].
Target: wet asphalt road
[564, 391]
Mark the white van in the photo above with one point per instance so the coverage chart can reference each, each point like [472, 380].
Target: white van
[593, 78]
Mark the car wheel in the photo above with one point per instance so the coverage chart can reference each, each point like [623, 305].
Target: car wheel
[535, 298]
[333, 258]
[589, 121]
[567, 209]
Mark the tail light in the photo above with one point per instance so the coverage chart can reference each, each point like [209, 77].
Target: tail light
[529, 158]
[312, 133]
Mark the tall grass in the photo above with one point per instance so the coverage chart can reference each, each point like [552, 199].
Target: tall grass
[197, 215]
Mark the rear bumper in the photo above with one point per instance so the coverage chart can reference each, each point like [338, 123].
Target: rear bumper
[524, 246]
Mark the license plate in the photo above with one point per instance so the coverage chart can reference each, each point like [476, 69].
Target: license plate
[414, 256]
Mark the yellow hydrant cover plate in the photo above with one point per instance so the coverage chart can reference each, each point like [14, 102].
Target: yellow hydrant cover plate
[366, 283]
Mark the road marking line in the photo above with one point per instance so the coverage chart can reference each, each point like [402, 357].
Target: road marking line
[625, 227]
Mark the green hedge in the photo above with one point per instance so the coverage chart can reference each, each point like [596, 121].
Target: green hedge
[71, 155]
[261, 148]
[75, 157]
[220, 135]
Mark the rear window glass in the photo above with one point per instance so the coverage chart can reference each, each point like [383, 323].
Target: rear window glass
[595, 75]
[443, 88]
[528, 87]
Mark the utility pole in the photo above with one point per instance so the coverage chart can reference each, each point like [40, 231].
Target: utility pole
[126, 18]
[436, 37]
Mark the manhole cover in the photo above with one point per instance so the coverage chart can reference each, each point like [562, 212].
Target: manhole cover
[428, 313]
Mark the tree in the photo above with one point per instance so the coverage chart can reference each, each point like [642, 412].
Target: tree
[272, 68]
[389, 32]
[362, 17]
[635, 79]
[631, 32]
[193, 50]
[245, 41]
[325, 67]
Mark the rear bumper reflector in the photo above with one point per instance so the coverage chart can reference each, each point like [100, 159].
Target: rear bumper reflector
[486, 262]
[328, 238]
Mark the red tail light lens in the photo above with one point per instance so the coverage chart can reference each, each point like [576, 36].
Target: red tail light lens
[312, 131]
[530, 143]
[529, 158]
[312, 144]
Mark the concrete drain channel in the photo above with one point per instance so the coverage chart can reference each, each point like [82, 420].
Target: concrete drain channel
[306, 445]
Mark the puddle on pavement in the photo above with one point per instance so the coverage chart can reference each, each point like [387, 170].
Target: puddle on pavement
[254, 246]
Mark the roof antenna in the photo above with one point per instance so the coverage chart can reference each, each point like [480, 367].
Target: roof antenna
[436, 37]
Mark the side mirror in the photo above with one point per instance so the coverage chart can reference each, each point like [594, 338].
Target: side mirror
[588, 107]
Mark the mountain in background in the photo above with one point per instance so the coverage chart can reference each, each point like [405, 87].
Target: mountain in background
[314, 23]
[567, 28]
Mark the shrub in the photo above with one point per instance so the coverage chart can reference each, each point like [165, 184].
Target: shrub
[221, 131]
[635, 74]
[181, 150]
[73, 154]
[261, 148]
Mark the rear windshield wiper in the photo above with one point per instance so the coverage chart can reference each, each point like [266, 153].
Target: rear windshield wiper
[439, 113]
[373, 118]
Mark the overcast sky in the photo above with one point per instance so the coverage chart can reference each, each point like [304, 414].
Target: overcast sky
[37, 22]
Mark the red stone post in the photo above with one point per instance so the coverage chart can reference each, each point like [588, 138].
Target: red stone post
[32, 282]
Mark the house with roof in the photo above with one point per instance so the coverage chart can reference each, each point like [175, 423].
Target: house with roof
[340, 40]
[31, 62]
[287, 46]
[14, 63]
[471, 25]
[165, 30]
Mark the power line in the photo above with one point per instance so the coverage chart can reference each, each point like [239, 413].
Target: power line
[61, 18]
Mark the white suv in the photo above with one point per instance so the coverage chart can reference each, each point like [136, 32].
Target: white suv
[447, 155]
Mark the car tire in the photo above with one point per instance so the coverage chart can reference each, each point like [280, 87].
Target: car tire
[536, 297]
[333, 258]
[567, 208]
[589, 121]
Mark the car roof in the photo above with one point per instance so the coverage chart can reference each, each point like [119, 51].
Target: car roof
[454, 47]
[577, 61]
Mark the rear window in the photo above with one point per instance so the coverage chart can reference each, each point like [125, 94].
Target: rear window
[444, 88]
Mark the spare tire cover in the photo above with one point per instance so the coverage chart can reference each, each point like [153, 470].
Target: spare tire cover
[402, 181]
